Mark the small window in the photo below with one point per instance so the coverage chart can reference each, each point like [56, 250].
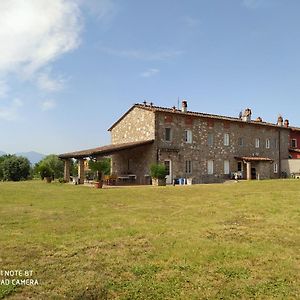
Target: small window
[226, 167]
[241, 142]
[210, 139]
[188, 136]
[257, 143]
[168, 134]
[240, 166]
[275, 168]
[226, 139]
[210, 167]
[294, 143]
[268, 143]
[188, 167]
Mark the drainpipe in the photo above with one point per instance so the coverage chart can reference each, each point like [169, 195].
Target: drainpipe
[279, 154]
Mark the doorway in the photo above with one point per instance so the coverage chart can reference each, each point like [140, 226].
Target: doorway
[168, 165]
[253, 173]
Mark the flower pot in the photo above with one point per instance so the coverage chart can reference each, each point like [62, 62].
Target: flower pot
[158, 181]
[98, 184]
[48, 179]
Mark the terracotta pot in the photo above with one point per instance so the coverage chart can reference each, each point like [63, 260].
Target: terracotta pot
[158, 182]
[98, 184]
[48, 179]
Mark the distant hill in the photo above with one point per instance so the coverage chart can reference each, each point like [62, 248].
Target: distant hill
[33, 156]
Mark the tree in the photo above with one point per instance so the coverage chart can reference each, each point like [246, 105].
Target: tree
[101, 167]
[55, 165]
[45, 171]
[15, 168]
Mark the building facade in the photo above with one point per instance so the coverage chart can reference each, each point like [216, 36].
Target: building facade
[295, 143]
[202, 147]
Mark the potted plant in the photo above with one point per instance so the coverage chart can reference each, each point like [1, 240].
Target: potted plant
[46, 173]
[158, 173]
[99, 167]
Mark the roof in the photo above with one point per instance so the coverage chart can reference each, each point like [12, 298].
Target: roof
[195, 114]
[253, 158]
[295, 128]
[104, 150]
[294, 150]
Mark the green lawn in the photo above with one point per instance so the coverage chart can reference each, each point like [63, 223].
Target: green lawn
[226, 241]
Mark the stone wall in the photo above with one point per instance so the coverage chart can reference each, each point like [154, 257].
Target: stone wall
[137, 125]
[291, 166]
[199, 152]
[134, 161]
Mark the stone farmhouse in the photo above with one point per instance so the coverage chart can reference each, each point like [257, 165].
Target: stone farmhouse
[201, 147]
[295, 143]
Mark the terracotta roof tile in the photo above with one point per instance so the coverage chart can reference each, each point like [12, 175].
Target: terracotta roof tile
[104, 150]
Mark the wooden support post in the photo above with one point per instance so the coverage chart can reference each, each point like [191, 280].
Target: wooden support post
[67, 164]
[81, 171]
[248, 170]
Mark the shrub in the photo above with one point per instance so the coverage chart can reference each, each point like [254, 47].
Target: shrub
[15, 168]
[158, 171]
[45, 171]
[55, 164]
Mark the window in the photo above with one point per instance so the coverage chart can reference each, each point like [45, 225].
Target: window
[257, 142]
[275, 168]
[188, 136]
[168, 134]
[226, 139]
[210, 167]
[226, 167]
[210, 139]
[294, 143]
[268, 143]
[241, 142]
[240, 166]
[188, 167]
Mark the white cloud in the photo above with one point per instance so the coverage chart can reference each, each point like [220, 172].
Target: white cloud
[46, 83]
[141, 54]
[150, 72]
[33, 33]
[48, 105]
[3, 89]
[11, 112]
[104, 10]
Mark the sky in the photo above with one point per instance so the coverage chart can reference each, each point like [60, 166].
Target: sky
[70, 69]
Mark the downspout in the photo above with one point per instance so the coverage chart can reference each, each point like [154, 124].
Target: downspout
[279, 154]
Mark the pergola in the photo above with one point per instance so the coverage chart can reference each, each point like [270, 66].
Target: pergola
[94, 153]
[249, 159]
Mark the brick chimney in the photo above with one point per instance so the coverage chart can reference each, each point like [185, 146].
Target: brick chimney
[280, 121]
[246, 116]
[184, 106]
[286, 123]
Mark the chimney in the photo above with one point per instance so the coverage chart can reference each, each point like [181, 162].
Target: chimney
[246, 117]
[280, 121]
[174, 108]
[184, 106]
[286, 123]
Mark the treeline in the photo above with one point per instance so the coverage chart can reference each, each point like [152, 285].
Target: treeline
[16, 168]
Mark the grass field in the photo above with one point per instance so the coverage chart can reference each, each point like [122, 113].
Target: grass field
[226, 241]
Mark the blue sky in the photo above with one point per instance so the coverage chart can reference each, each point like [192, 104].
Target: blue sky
[69, 69]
